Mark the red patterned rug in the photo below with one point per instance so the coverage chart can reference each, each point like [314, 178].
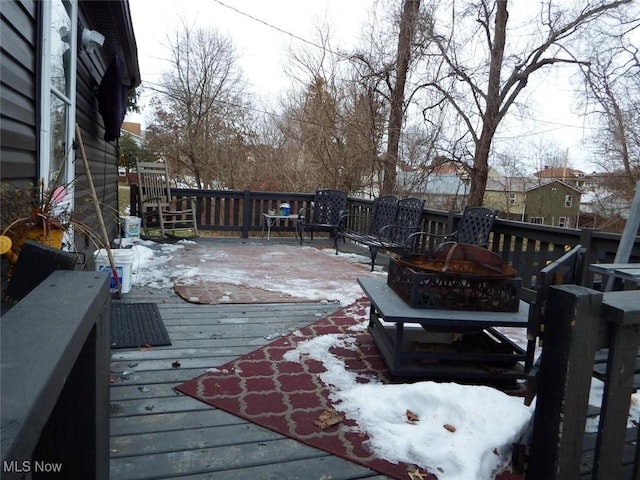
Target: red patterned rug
[289, 397]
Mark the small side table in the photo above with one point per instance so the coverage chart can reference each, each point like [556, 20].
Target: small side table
[625, 271]
[269, 220]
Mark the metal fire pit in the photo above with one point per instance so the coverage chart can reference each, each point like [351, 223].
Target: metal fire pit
[469, 279]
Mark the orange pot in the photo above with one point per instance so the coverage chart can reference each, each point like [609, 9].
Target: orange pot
[53, 238]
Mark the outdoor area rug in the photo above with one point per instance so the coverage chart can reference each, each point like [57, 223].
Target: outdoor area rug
[137, 325]
[266, 273]
[216, 293]
[289, 397]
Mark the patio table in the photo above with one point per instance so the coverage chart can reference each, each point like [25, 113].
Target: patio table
[402, 332]
[625, 271]
[269, 220]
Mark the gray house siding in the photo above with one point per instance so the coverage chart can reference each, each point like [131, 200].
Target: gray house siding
[19, 119]
[102, 156]
[18, 40]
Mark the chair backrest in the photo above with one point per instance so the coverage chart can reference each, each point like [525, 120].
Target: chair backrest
[407, 221]
[565, 270]
[35, 263]
[385, 209]
[153, 182]
[328, 205]
[409, 212]
[476, 225]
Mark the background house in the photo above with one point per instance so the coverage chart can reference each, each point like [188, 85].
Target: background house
[66, 63]
[570, 176]
[553, 203]
[443, 187]
[508, 195]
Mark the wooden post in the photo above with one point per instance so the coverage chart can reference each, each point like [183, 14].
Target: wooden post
[246, 213]
[564, 379]
[622, 311]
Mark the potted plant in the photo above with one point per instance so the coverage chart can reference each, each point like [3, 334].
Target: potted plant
[40, 214]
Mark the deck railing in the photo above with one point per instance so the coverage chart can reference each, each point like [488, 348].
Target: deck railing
[526, 246]
[55, 380]
[555, 447]
[585, 322]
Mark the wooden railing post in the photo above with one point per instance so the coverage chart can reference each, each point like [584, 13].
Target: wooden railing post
[246, 213]
[566, 366]
[621, 311]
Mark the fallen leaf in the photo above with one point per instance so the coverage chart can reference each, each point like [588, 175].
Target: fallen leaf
[416, 474]
[412, 418]
[175, 364]
[328, 418]
[451, 428]
[495, 451]
[144, 348]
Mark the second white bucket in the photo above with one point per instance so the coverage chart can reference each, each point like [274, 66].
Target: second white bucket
[123, 259]
[130, 226]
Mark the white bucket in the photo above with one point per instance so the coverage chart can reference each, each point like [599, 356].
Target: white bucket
[130, 227]
[123, 258]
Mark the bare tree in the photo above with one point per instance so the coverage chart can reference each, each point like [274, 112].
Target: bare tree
[408, 20]
[332, 123]
[485, 71]
[612, 81]
[200, 121]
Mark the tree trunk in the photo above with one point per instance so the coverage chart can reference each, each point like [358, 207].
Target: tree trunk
[410, 11]
[491, 116]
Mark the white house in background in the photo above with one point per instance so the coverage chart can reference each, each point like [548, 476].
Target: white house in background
[443, 188]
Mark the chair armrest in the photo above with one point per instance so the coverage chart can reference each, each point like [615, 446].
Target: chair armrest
[174, 201]
[346, 216]
[396, 236]
[417, 238]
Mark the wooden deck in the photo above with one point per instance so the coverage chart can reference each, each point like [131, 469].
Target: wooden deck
[159, 433]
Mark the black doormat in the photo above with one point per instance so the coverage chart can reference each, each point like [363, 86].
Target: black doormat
[137, 325]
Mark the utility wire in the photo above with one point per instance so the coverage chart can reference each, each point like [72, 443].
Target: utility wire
[281, 30]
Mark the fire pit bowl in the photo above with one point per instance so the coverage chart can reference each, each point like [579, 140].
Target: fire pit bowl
[461, 277]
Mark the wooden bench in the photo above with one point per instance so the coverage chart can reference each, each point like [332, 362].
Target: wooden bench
[388, 228]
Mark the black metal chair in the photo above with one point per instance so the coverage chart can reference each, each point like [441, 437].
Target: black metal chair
[324, 215]
[474, 229]
[397, 237]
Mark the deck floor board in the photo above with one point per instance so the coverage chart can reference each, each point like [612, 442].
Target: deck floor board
[157, 433]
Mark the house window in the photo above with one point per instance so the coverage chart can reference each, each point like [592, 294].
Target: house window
[537, 220]
[57, 88]
[512, 199]
[568, 201]
[562, 222]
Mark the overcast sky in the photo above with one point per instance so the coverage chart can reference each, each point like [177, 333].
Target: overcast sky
[263, 52]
